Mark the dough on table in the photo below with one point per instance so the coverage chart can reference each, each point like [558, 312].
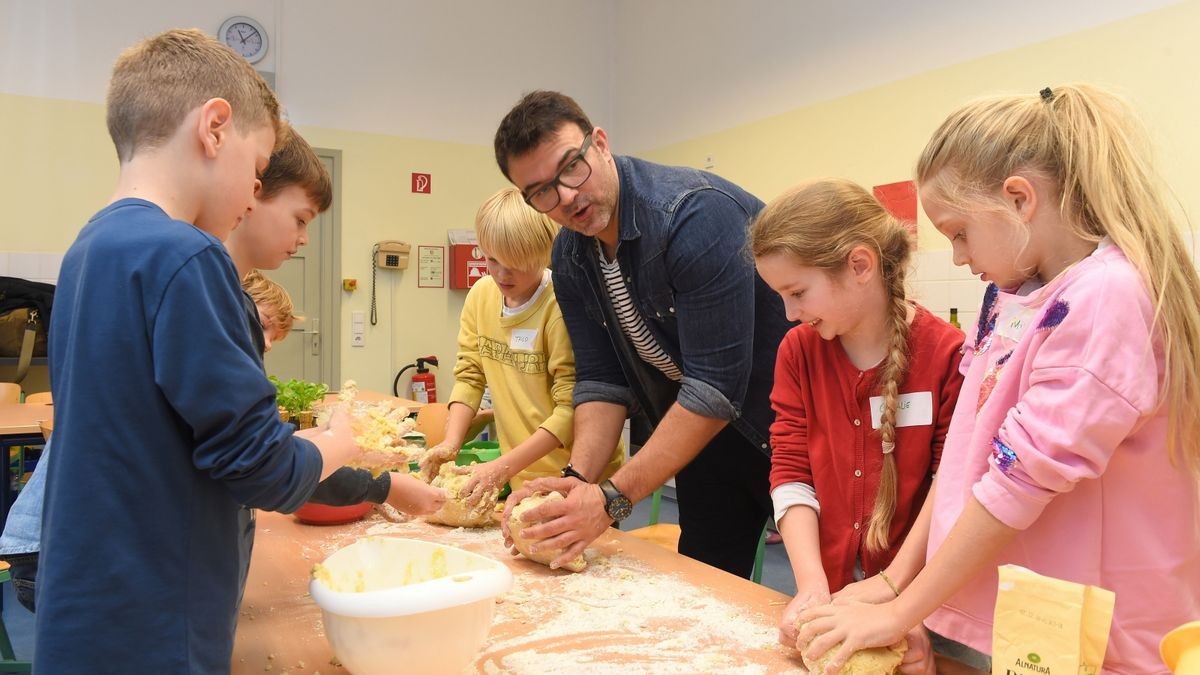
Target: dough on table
[516, 526]
[872, 661]
[456, 512]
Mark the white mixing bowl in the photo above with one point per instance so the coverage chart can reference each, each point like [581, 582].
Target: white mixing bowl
[402, 605]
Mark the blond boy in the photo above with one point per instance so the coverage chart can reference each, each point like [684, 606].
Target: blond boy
[165, 423]
[512, 339]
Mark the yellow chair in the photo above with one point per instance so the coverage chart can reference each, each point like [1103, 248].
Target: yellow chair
[10, 393]
[39, 398]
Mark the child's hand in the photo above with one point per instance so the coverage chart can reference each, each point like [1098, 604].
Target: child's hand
[804, 598]
[873, 590]
[918, 660]
[409, 495]
[487, 478]
[433, 459]
[336, 443]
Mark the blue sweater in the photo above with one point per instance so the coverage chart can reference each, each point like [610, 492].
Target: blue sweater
[165, 424]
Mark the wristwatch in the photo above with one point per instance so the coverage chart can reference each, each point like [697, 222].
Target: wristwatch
[616, 504]
[570, 472]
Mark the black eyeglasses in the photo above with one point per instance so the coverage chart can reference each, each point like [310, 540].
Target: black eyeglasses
[545, 197]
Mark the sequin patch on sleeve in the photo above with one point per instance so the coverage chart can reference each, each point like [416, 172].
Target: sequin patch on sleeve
[1002, 455]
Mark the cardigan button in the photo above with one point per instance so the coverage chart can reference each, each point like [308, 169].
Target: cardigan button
[856, 526]
[764, 446]
[858, 473]
[857, 423]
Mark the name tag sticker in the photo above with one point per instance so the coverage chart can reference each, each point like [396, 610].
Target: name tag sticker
[1013, 321]
[523, 338]
[912, 410]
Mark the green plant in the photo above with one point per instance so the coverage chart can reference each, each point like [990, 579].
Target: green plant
[297, 396]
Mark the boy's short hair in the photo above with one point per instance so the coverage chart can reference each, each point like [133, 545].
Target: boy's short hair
[537, 115]
[157, 82]
[510, 231]
[295, 163]
[267, 293]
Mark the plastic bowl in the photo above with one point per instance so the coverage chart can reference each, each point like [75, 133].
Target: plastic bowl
[320, 514]
[391, 603]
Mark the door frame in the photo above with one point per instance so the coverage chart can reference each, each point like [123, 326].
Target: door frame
[331, 274]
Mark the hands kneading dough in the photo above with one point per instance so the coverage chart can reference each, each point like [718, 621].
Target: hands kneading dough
[456, 512]
[516, 526]
[872, 661]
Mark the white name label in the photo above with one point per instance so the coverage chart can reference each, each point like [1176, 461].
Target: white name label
[523, 338]
[912, 410]
[1013, 321]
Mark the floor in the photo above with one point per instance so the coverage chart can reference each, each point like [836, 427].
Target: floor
[777, 574]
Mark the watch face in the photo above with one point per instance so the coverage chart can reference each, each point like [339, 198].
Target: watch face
[619, 508]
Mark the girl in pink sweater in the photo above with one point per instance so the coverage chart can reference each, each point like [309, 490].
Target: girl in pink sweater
[1073, 450]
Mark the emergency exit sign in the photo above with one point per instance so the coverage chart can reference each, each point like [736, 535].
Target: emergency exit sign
[422, 183]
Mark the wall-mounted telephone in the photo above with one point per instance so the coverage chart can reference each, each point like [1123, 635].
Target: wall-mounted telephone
[391, 255]
[386, 255]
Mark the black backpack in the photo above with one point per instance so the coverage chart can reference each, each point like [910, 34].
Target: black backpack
[24, 320]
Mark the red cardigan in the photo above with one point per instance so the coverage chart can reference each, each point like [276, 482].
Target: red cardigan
[822, 436]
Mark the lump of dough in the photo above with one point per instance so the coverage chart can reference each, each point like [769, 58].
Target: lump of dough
[516, 526]
[872, 661]
[456, 512]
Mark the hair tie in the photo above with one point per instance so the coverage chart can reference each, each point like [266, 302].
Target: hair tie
[888, 447]
[1047, 94]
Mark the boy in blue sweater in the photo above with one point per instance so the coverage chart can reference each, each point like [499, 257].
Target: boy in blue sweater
[165, 423]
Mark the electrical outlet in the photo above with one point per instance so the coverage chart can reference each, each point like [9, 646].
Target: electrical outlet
[709, 161]
[358, 340]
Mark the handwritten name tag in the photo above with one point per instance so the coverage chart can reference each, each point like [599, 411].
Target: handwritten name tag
[523, 338]
[912, 410]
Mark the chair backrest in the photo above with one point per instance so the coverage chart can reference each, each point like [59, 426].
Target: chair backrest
[39, 398]
[431, 421]
[10, 393]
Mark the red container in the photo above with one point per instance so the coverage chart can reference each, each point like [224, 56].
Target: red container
[320, 514]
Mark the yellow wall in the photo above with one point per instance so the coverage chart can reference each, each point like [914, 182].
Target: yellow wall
[875, 136]
[59, 168]
[58, 165]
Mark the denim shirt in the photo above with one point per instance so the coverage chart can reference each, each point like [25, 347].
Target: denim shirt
[682, 236]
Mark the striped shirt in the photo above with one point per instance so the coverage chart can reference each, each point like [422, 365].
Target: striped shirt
[632, 323]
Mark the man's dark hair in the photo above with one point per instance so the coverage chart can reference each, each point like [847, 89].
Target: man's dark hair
[532, 119]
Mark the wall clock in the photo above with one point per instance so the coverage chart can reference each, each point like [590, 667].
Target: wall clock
[245, 36]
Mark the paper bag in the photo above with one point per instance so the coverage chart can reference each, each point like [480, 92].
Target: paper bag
[1046, 626]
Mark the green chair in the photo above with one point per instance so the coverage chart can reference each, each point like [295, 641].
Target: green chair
[666, 535]
[8, 659]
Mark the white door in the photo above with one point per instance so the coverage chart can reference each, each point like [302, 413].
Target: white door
[312, 279]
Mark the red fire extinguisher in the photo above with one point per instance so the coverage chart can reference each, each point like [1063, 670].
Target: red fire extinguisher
[423, 387]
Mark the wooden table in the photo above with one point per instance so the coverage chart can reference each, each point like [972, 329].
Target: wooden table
[20, 424]
[637, 607]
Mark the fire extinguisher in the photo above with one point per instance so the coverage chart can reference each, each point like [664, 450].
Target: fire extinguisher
[423, 387]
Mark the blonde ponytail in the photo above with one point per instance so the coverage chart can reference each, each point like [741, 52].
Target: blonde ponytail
[1089, 142]
[819, 223]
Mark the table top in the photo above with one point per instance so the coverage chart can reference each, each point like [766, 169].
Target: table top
[637, 607]
[19, 419]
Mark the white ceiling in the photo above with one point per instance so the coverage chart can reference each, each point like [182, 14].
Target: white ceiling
[651, 71]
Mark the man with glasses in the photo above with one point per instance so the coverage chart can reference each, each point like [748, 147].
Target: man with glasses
[668, 319]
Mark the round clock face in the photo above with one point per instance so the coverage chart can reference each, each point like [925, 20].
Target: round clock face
[246, 37]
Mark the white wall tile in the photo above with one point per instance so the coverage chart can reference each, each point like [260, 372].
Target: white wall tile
[24, 265]
[48, 266]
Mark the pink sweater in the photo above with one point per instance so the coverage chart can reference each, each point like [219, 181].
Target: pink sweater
[1059, 433]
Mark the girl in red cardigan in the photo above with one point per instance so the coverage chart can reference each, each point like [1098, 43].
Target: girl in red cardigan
[864, 388]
